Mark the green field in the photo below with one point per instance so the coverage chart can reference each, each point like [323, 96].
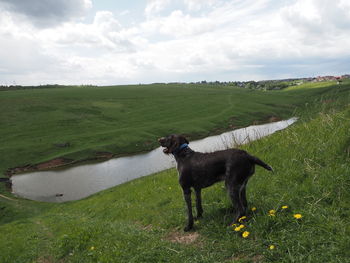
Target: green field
[128, 119]
[142, 220]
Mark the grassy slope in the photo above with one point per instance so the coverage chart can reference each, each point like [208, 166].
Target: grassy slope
[135, 222]
[127, 119]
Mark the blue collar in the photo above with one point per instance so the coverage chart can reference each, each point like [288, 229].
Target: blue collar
[182, 146]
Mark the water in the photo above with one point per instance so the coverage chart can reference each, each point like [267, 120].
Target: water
[81, 181]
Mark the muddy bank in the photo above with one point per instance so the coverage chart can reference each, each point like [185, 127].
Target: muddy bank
[57, 163]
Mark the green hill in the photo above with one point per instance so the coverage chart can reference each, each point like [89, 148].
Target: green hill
[80, 123]
[142, 220]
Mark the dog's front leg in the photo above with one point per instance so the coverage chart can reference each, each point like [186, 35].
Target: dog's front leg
[199, 203]
[187, 196]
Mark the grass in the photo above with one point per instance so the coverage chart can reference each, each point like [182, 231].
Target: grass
[128, 119]
[142, 220]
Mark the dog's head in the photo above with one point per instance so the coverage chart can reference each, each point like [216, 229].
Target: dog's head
[172, 142]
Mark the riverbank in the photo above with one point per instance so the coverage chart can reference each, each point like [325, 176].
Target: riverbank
[142, 221]
[78, 182]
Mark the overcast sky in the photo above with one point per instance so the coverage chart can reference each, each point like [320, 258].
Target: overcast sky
[123, 41]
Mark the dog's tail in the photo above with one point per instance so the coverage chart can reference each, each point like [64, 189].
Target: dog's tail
[261, 163]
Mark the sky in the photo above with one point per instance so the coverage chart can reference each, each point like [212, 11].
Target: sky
[106, 42]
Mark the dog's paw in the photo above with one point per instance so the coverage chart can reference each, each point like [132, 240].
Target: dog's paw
[188, 228]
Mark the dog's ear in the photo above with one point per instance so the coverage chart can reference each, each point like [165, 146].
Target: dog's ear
[186, 140]
[183, 139]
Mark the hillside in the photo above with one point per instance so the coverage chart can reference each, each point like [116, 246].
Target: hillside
[79, 123]
[141, 221]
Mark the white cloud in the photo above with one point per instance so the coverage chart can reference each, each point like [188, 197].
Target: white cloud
[155, 6]
[195, 5]
[224, 40]
[178, 25]
[320, 27]
[319, 17]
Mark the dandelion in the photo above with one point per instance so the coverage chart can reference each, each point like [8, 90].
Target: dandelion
[245, 234]
[92, 248]
[238, 228]
[271, 247]
[242, 218]
[284, 207]
[253, 208]
[272, 212]
[298, 216]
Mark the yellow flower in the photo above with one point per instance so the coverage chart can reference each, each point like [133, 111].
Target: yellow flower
[271, 247]
[298, 216]
[245, 234]
[242, 218]
[284, 207]
[92, 248]
[253, 208]
[272, 212]
[238, 228]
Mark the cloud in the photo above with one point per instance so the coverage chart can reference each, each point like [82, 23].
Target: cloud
[180, 40]
[178, 25]
[318, 17]
[196, 5]
[153, 7]
[47, 13]
[104, 34]
[319, 28]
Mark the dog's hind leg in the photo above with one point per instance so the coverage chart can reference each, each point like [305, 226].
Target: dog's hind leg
[237, 192]
[242, 191]
[199, 203]
[243, 197]
[187, 196]
[235, 195]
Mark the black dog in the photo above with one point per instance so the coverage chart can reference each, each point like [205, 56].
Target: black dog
[199, 170]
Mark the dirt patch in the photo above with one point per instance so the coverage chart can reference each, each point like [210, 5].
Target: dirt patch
[57, 162]
[274, 119]
[183, 238]
[53, 163]
[104, 155]
[41, 166]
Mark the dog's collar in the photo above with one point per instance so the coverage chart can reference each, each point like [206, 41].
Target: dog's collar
[182, 146]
